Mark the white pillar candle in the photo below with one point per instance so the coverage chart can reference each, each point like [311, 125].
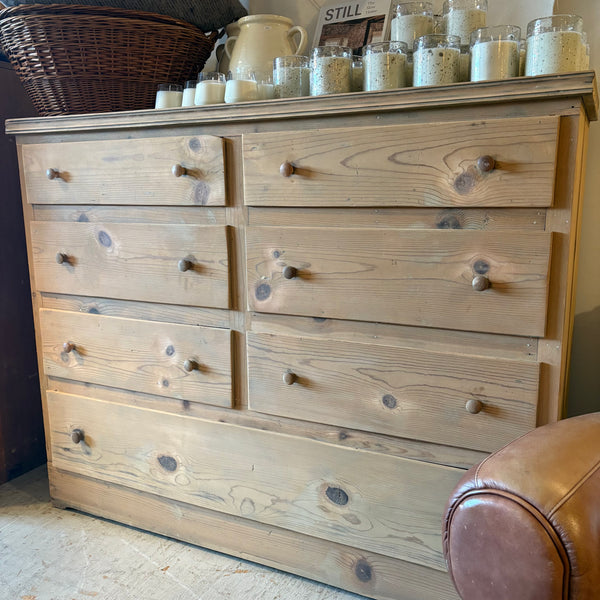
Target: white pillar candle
[209, 92]
[168, 99]
[240, 90]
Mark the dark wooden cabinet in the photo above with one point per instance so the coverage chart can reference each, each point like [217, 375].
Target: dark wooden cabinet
[21, 431]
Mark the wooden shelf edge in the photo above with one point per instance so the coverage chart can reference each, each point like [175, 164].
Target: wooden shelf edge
[580, 85]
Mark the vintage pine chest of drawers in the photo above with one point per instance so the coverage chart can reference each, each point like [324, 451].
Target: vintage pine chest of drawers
[284, 329]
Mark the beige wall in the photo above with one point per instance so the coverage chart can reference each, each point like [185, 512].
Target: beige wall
[584, 384]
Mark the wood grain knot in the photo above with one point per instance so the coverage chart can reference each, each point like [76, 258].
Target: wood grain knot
[195, 145]
[201, 193]
[481, 267]
[389, 401]
[363, 570]
[263, 291]
[464, 183]
[337, 495]
[168, 463]
[104, 239]
[448, 221]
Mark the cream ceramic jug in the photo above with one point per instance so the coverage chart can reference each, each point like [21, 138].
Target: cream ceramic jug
[260, 40]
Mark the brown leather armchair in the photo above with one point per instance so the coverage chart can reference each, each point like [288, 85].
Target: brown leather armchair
[524, 524]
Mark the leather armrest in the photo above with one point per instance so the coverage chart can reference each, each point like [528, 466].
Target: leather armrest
[524, 524]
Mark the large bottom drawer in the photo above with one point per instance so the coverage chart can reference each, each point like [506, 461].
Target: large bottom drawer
[379, 503]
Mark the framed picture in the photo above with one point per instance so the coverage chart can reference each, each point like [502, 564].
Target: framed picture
[353, 24]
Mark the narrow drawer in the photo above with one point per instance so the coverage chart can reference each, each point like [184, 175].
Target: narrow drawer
[411, 277]
[375, 502]
[186, 170]
[174, 264]
[166, 359]
[459, 400]
[437, 164]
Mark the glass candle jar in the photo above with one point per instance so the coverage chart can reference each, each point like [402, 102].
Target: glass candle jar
[584, 62]
[169, 95]
[357, 73]
[331, 70]
[384, 66]
[189, 93]
[553, 44]
[495, 52]
[291, 76]
[411, 21]
[210, 88]
[409, 68]
[522, 55]
[462, 17]
[439, 26]
[241, 86]
[436, 59]
[464, 69]
[265, 88]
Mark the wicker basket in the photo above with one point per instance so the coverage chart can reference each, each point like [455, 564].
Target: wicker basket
[82, 59]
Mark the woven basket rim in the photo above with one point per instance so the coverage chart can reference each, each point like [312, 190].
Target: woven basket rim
[65, 10]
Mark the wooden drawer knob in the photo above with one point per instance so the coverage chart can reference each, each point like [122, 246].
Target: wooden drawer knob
[179, 170]
[287, 169]
[480, 283]
[77, 436]
[62, 258]
[290, 272]
[191, 365]
[53, 174]
[68, 347]
[289, 378]
[185, 265]
[486, 163]
[474, 406]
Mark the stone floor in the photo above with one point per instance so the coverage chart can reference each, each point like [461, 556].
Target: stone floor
[52, 554]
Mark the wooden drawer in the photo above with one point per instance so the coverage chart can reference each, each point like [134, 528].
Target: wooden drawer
[396, 391]
[179, 361]
[412, 277]
[127, 171]
[133, 261]
[371, 501]
[405, 165]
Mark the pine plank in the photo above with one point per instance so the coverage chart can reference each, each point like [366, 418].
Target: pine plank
[405, 165]
[128, 171]
[365, 573]
[139, 355]
[377, 503]
[451, 456]
[407, 277]
[397, 391]
[135, 261]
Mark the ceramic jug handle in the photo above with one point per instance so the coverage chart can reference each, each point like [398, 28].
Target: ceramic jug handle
[303, 38]
[229, 45]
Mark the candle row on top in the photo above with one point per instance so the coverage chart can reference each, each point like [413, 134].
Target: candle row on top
[421, 55]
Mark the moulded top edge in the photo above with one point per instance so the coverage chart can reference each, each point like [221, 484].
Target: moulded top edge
[580, 85]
